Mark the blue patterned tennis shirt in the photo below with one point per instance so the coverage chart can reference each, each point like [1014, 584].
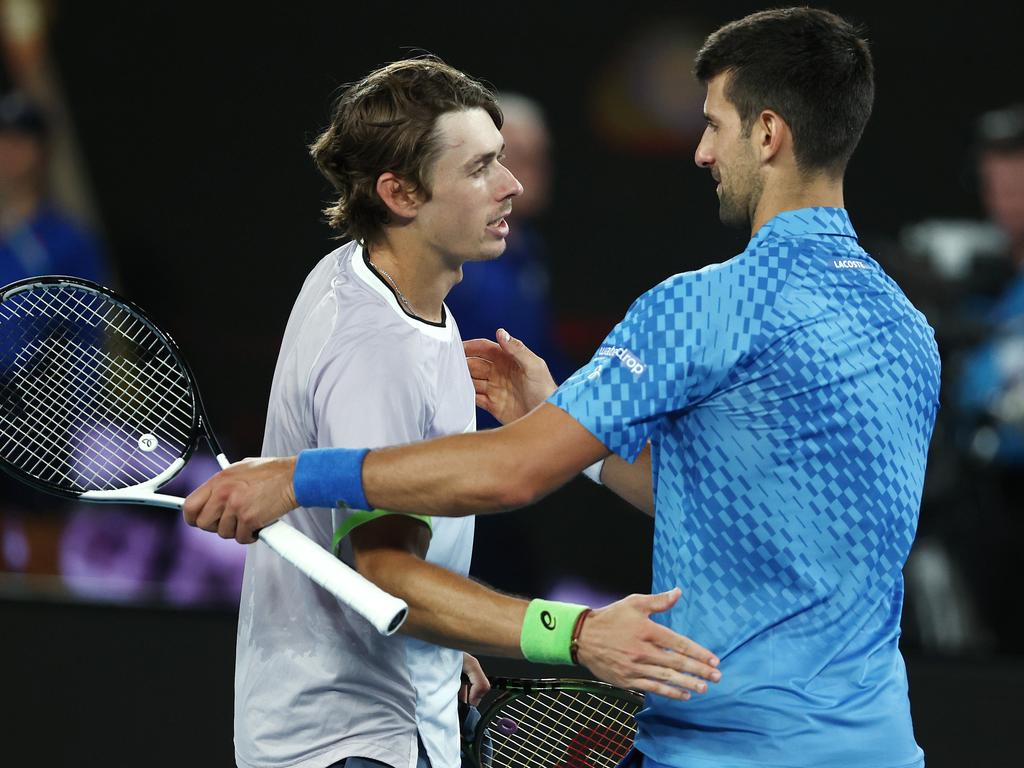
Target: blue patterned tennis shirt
[789, 396]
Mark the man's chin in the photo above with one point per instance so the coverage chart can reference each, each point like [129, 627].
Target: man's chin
[733, 218]
[490, 251]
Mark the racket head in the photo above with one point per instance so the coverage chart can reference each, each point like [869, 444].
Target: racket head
[94, 396]
[555, 723]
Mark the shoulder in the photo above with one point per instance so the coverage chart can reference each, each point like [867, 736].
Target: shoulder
[687, 291]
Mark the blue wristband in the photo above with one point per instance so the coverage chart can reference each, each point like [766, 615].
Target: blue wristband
[329, 477]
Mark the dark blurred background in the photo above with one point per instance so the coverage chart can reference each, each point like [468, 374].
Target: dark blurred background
[176, 137]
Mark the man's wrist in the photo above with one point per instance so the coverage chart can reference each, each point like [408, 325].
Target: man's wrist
[330, 477]
[548, 630]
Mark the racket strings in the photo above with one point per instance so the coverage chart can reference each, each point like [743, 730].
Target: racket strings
[86, 380]
[562, 729]
[74, 391]
[571, 737]
[77, 393]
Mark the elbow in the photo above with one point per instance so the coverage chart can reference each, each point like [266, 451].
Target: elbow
[512, 476]
[514, 489]
[512, 497]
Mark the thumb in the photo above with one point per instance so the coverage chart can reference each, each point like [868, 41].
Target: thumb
[663, 601]
[513, 346]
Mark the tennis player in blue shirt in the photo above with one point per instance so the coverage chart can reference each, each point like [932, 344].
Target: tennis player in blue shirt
[773, 412]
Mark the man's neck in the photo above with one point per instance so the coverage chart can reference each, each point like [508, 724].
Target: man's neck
[419, 276]
[791, 195]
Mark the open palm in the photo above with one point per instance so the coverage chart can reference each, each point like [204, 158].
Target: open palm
[510, 381]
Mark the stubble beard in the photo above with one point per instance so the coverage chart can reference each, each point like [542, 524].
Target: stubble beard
[739, 201]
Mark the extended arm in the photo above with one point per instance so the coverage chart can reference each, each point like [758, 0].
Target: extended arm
[619, 642]
[510, 381]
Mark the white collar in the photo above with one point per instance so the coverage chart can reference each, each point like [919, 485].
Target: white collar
[378, 286]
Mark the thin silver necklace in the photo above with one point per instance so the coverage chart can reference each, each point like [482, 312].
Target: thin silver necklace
[398, 291]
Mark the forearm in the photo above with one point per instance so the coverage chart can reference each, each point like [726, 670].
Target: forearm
[632, 482]
[619, 643]
[446, 608]
[489, 471]
[450, 477]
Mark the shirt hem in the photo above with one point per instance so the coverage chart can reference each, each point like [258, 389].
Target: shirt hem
[368, 749]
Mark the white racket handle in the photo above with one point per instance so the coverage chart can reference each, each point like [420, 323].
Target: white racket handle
[385, 612]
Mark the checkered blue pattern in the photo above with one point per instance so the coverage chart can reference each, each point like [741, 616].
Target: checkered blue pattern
[789, 396]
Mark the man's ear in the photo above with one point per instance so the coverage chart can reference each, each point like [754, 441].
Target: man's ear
[402, 198]
[770, 134]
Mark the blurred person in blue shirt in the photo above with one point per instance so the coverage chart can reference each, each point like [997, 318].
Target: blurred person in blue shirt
[990, 393]
[513, 292]
[35, 237]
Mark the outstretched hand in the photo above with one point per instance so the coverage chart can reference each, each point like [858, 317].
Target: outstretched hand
[238, 501]
[621, 645]
[510, 380]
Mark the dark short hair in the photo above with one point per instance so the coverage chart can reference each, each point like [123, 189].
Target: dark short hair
[810, 66]
[387, 122]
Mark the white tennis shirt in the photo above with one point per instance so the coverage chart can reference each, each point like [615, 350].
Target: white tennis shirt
[314, 682]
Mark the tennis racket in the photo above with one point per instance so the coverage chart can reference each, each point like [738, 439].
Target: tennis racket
[553, 724]
[98, 404]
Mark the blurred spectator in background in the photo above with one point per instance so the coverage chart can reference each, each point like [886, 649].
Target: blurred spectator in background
[513, 292]
[35, 237]
[963, 574]
[989, 393]
[991, 389]
[39, 165]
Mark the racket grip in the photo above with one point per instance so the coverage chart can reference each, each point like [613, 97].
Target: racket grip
[385, 612]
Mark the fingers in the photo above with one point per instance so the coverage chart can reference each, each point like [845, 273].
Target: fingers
[195, 502]
[227, 526]
[620, 643]
[478, 691]
[482, 348]
[663, 637]
[209, 515]
[513, 346]
[480, 371]
[478, 684]
[661, 602]
[244, 534]
[662, 689]
[695, 667]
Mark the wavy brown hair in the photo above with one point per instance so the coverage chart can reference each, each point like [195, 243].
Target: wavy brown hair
[388, 122]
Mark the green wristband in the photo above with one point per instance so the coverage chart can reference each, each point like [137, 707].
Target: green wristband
[546, 637]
